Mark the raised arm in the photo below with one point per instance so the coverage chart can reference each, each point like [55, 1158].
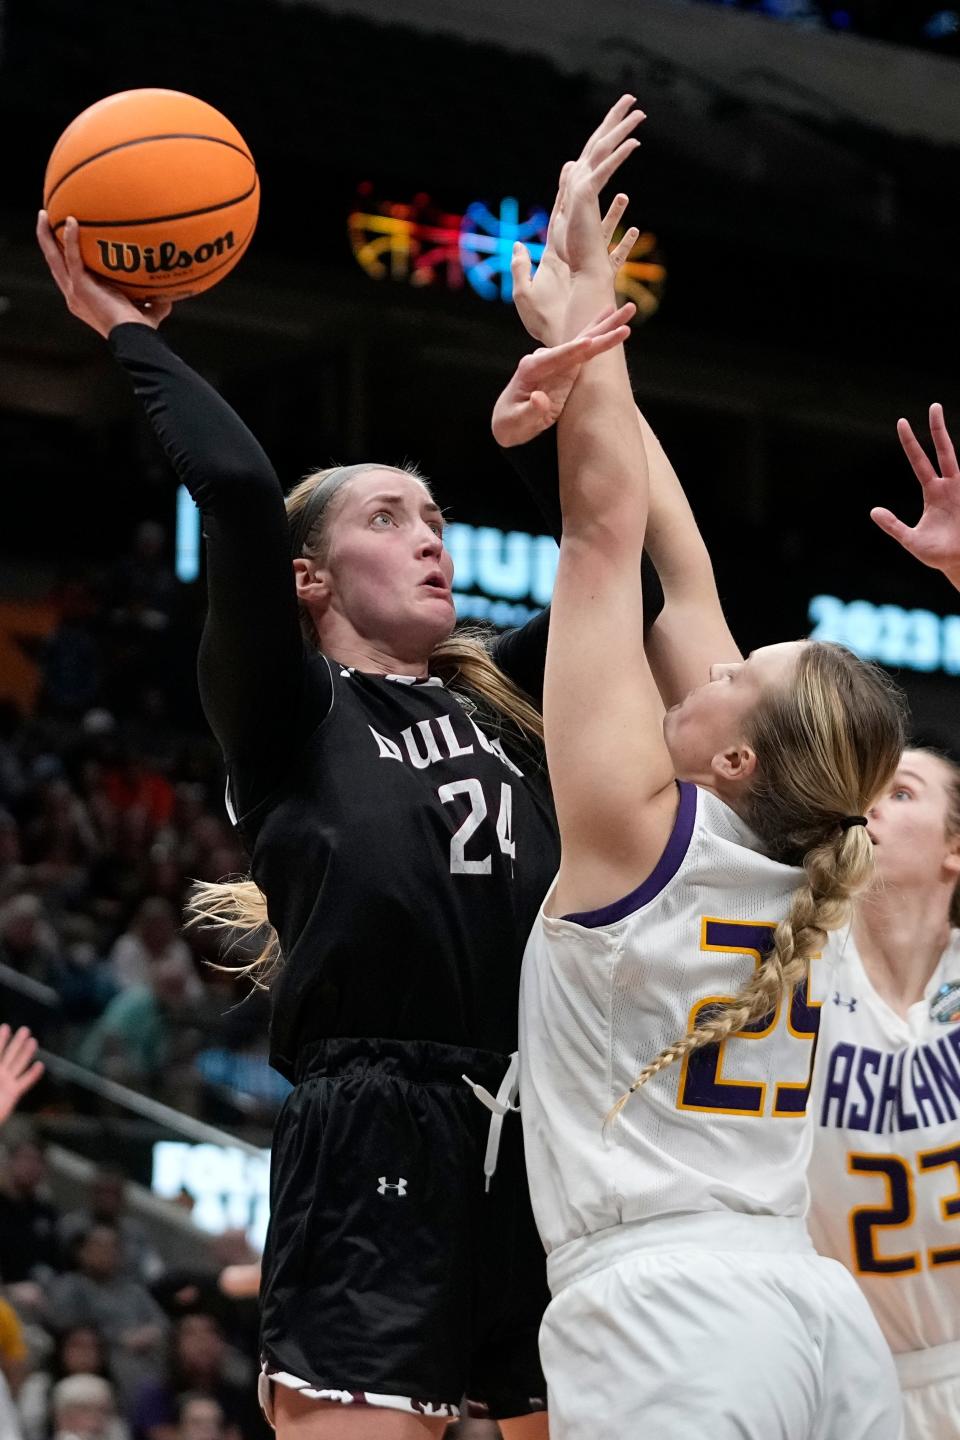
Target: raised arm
[935, 539]
[685, 627]
[534, 396]
[611, 772]
[253, 670]
[689, 631]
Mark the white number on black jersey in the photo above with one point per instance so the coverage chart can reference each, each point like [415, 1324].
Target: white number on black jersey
[473, 791]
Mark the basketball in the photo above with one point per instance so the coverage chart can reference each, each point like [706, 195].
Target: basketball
[164, 188]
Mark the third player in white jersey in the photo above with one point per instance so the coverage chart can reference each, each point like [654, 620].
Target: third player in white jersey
[885, 1173]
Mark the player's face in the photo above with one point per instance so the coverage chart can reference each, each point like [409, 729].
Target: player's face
[908, 825]
[389, 575]
[712, 722]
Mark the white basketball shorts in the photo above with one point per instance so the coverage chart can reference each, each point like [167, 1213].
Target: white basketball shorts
[722, 1326]
[930, 1380]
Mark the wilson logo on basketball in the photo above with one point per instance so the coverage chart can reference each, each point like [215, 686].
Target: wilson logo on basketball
[127, 258]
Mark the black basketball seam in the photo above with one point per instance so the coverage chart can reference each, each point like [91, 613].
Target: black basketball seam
[138, 285]
[142, 140]
[161, 219]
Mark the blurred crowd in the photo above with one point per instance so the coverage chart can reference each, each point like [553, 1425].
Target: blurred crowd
[99, 1338]
[111, 803]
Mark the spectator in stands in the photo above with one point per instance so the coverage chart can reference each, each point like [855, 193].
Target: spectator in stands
[84, 1409]
[164, 874]
[152, 940]
[135, 1041]
[196, 1287]
[204, 844]
[28, 1221]
[201, 1363]
[84, 980]
[9, 1422]
[131, 1322]
[60, 836]
[201, 1418]
[106, 1206]
[93, 755]
[78, 1351]
[117, 878]
[14, 1355]
[28, 941]
[29, 946]
[190, 803]
[131, 783]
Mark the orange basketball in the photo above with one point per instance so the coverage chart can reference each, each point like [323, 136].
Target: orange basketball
[164, 188]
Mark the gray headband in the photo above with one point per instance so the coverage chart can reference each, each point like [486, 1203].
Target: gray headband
[322, 494]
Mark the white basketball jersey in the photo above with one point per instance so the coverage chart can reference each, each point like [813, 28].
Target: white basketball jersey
[885, 1172]
[603, 993]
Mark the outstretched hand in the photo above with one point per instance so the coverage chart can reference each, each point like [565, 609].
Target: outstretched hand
[577, 234]
[17, 1073]
[541, 297]
[94, 301]
[535, 395]
[935, 539]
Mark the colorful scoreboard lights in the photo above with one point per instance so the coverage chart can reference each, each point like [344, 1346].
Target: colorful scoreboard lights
[416, 243]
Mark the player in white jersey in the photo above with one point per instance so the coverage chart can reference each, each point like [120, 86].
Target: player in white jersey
[687, 1298]
[885, 1171]
[885, 1174]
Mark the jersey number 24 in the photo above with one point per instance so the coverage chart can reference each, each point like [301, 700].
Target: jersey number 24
[472, 792]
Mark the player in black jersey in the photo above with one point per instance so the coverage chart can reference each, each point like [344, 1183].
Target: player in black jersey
[389, 784]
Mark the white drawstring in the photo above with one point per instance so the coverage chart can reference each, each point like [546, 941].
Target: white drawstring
[499, 1105]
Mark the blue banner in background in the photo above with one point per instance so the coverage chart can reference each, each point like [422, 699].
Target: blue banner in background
[902, 639]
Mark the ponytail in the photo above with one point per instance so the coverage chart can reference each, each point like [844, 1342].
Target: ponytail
[826, 745]
[836, 871]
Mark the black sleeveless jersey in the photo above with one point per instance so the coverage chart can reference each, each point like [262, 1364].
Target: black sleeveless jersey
[404, 856]
[404, 843]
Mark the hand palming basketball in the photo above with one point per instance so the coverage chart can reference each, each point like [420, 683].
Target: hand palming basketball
[89, 298]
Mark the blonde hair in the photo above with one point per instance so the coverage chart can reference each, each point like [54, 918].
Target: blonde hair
[236, 908]
[826, 745]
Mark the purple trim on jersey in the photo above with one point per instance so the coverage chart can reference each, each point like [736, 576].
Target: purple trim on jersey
[662, 873]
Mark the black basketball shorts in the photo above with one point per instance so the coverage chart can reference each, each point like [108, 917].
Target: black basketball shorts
[391, 1276]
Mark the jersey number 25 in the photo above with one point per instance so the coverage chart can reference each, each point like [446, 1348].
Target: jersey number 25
[703, 1085]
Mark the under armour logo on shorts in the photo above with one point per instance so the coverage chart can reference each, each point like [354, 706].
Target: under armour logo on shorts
[400, 1187]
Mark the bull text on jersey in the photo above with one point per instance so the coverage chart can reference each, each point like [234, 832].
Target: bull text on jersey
[432, 741]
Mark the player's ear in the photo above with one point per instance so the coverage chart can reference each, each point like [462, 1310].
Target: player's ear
[313, 584]
[735, 764]
[951, 860]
